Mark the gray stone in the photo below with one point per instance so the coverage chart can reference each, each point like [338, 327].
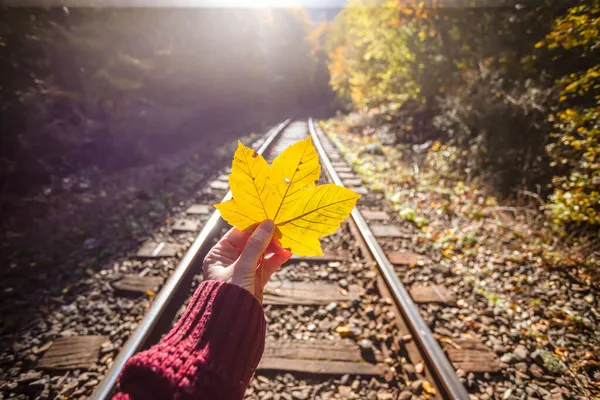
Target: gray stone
[267, 396]
[507, 358]
[405, 395]
[409, 368]
[300, 394]
[38, 384]
[522, 367]
[521, 352]
[69, 388]
[29, 376]
[286, 396]
[416, 386]
[344, 379]
[536, 371]
[370, 311]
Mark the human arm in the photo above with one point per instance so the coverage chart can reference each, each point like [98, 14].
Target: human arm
[214, 348]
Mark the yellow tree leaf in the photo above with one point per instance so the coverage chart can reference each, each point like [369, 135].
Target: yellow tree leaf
[286, 193]
[295, 169]
[318, 212]
[248, 181]
[428, 388]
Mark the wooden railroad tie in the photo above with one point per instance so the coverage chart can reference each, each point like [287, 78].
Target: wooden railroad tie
[341, 170]
[219, 185]
[135, 284]
[354, 182]
[402, 258]
[307, 293]
[376, 215]
[347, 175]
[186, 225]
[389, 231]
[340, 164]
[198, 209]
[72, 353]
[431, 294]
[360, 190]
[326, 357]
[326, 257]
[471, 355]
[157, 249]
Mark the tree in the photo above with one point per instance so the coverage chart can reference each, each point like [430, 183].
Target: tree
[487, 73]
[110, 88]
[576, 135]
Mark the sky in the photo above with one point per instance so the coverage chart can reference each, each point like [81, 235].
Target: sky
[308, 4]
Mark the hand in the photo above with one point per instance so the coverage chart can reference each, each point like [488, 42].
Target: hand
[246, 259]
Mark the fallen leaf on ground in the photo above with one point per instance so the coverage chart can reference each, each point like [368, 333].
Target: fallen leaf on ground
[428, 388]
[286, 192]
[343, 330]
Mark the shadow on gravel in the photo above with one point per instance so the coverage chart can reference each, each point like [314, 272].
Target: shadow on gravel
[44, 269]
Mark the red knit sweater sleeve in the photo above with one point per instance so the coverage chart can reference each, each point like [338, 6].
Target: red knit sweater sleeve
[211, 353]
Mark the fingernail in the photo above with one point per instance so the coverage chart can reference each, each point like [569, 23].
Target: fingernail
[267, 226]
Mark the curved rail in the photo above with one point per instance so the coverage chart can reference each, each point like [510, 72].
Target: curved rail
[182, 274]
[435, 356]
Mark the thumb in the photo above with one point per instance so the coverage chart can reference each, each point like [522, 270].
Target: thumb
[256, 245]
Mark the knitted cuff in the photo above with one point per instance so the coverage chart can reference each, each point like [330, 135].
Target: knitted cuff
[213, 349]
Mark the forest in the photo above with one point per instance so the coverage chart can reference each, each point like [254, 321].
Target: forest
[87, 88]
[99, 104]
[511, 90]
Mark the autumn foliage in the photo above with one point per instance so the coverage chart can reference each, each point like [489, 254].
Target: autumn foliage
[575, 136]
[513, 88]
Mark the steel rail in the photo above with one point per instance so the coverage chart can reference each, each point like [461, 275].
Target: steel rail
[173, 284]
[437, 360]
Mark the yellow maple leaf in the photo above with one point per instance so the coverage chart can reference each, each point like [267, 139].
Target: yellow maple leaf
[287, 193]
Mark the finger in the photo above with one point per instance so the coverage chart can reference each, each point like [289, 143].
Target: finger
[272, 248]
[256, 245]
[275, 248]
[273, 263]
[236, 237]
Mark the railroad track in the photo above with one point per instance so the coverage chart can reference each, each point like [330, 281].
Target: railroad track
[311, 348]
[339, 326]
